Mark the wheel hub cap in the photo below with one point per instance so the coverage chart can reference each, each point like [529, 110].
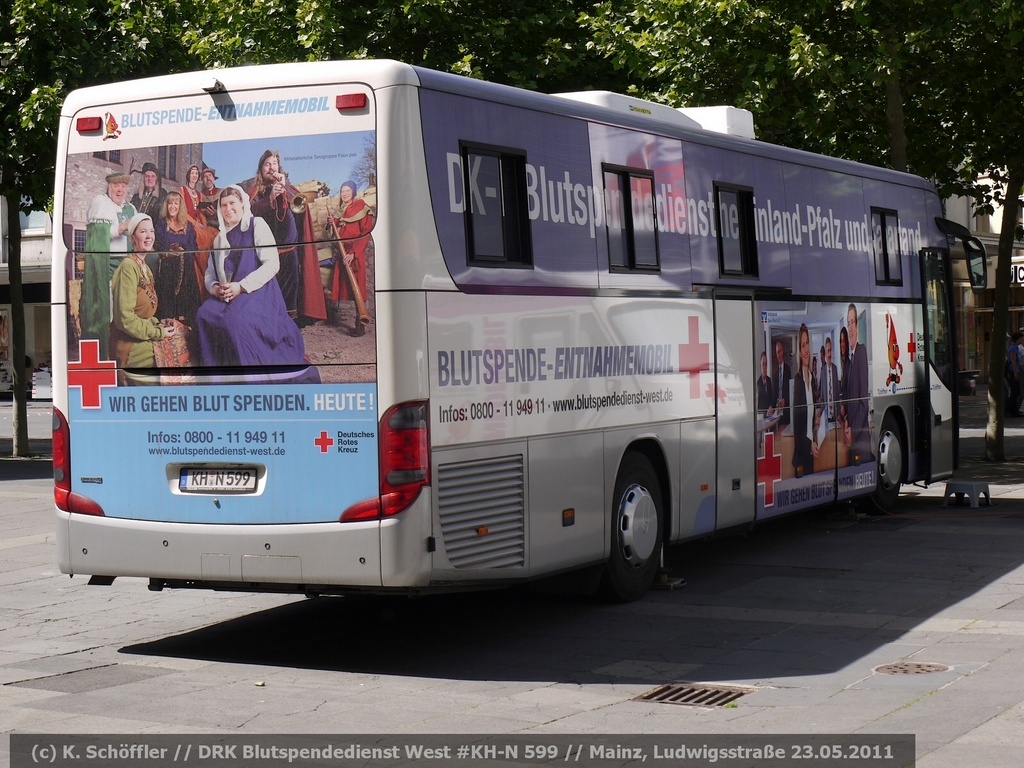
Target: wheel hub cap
[638, 526]
[890, 459]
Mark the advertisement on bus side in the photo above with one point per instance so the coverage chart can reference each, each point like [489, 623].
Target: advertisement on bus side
[813, 225]
[540, 365]
[822, 370]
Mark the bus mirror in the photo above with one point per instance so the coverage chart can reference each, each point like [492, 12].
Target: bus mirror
[952, 228]
[974, 250]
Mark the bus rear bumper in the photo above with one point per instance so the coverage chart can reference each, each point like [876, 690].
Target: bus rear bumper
[251, 557]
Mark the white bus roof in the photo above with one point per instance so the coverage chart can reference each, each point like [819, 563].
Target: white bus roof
[375, 73]
[719, 126]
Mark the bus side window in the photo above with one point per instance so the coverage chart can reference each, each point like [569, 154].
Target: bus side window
[497, 210]
[737, 239]
[886, 243]
[631, 220]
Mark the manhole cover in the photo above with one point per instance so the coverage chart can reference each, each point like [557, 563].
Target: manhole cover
[910, 668]
[695, 695]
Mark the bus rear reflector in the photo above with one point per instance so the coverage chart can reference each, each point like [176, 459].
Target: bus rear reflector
[65, 500]
[347, 101]
[89, 124]
[404, 463]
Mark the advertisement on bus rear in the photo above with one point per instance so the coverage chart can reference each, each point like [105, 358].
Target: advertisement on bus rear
[220, 306]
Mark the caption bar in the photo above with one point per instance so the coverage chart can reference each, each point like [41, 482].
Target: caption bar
[496, 751]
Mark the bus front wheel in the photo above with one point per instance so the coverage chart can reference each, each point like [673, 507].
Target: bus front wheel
[636, 531]
[890, 463]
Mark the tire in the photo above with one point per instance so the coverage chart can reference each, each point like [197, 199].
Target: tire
[636, 532]
[891, 459]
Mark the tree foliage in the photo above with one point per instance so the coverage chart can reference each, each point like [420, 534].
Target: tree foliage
[527, 43]
[823, 75]
[50, 47]
[987, 87]
[891, 82]
[47, 48]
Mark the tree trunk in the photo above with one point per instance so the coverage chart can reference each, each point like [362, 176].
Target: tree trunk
[20, 421]
[894, 116]
[994, 449]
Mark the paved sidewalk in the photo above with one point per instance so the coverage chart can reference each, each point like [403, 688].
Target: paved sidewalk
[39, 429]
[1006, 478]
[836, 621]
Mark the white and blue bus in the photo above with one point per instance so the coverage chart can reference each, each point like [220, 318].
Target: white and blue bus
[366, 327]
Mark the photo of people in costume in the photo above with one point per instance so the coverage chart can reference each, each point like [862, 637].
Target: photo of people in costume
[254, 255]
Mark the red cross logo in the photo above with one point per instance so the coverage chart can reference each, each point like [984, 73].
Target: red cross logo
[323, 442]
[911, 347]
[694, 356]
[769, 469]
[90, 373]
[711, 392]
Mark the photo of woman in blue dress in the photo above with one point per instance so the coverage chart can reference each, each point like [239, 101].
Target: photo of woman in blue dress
[244, 321]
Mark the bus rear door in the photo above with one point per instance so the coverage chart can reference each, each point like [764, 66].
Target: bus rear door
[734, 382]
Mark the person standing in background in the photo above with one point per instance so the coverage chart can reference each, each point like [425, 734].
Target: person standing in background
[1013, 371]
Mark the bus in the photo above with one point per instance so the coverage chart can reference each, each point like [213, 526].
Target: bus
[361, 326]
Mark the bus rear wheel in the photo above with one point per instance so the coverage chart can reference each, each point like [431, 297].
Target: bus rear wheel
[636, 531]
[890, 463]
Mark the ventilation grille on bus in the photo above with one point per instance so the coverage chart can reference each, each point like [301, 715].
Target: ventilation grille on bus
[482, 508]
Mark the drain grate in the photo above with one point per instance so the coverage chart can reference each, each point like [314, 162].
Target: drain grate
[910, 668]
[695, 694]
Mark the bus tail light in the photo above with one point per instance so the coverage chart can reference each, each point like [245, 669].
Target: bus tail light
[65, 500]
[347, 101]
[404, 463]
[90, 124]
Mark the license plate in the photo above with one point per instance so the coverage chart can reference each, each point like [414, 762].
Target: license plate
[217, 480]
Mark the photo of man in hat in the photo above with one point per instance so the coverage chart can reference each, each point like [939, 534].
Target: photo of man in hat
[151, 194]
[209, 196]
[105, 235]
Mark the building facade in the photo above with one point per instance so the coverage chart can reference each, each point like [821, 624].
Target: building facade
[36, 243]
[975, 309]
